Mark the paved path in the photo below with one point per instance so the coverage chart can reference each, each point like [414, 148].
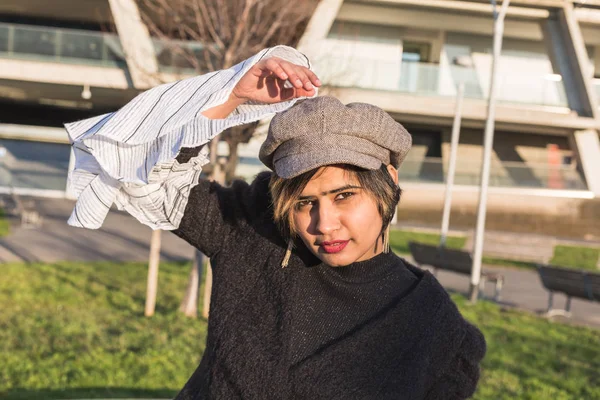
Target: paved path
[122, 238]
[523, 290]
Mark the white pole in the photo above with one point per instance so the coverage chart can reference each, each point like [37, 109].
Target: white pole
[487, 150]
[152, 284]
[452, 163]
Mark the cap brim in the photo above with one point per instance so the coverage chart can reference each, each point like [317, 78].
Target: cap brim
[296, 164]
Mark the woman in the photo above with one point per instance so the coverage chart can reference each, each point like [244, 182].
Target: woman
[307, 301]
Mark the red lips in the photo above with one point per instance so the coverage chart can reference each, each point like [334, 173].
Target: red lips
[334, 246]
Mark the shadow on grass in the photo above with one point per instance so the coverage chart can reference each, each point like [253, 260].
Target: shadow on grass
[87, 393]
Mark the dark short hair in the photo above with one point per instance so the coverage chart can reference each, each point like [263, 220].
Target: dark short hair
[377, 183]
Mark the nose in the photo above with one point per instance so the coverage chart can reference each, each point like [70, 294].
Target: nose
[327, 218]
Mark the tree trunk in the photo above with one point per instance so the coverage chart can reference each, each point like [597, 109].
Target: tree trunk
[232, 162]
[218, 176]
[207, 291]
[189, 305]
[152, 285]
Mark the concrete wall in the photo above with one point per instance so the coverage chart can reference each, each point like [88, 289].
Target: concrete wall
[89, 11]
[66, 74]
[364, 48]
[437, 20]
[508, 146]
[525, 71]
[515, 211]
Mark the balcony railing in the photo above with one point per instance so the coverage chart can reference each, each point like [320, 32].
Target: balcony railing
[425, 79]
[92, 48]
[178, 56]
[60, 45]
[33, 165]
[503, 174]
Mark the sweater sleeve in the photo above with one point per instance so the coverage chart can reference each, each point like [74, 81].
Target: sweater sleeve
[459, 380]
[215, 213]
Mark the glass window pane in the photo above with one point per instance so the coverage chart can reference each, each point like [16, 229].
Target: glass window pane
[416, 52]
[113, 49]
[34, 165]
[82, 46]
[3, 39]
[35, 41]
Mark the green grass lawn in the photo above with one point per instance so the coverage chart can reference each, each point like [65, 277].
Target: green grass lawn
[566, 256]
[72, 330]
[4, 224]
[399, 240]
[576, 257]
[532, 358]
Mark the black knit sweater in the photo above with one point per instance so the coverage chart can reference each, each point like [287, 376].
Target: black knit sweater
[378, 329]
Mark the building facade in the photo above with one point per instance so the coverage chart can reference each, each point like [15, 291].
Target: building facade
[410, 56]
[64, 60]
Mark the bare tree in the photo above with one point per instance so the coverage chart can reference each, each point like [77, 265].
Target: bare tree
[210, 35]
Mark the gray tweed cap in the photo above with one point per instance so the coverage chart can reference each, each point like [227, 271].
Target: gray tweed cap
[323, 131]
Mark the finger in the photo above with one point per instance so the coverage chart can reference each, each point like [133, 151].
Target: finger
[292, 72]
[301, 80]
[306, 83]
[313, 77]
[274, 65]
[287, 93]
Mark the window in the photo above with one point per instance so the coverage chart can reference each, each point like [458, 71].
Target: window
[416, 52]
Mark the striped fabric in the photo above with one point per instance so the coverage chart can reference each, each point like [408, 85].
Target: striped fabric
[127, 157]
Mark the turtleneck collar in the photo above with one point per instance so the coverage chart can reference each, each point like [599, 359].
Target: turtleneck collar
[366, 271]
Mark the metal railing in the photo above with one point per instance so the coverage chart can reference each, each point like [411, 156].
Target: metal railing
[60, 45]
[33, 166]
[33, 176]
[435, 80]
[178, 56]
[92, 48]
[503, 174]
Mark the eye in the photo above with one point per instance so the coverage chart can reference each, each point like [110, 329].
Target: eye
[344, 195]
[303, 203]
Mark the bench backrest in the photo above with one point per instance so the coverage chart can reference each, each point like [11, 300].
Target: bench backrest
[442, 258]
[575, 283]
[594, 280]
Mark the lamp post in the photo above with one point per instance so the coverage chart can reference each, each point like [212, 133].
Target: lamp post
[487, 150]
[452, 163]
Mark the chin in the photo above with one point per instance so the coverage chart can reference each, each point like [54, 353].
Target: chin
[336, 260]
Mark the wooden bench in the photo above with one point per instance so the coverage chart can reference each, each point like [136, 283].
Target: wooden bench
[457, 261]
[572, 283]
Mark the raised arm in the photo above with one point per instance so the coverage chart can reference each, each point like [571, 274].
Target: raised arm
[269, 81]
[127, 157]
[213, 212]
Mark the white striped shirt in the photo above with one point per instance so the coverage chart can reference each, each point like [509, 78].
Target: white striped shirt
[127, 157]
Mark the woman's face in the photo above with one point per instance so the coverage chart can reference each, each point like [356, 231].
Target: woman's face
[337, 219]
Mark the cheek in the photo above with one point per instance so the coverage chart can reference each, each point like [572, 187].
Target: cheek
[301, 223]
[364, 221]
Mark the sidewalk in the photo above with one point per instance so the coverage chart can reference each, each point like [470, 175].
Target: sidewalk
[122, 238]
[523, 290]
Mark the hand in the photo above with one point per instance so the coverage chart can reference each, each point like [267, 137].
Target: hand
[265, 81]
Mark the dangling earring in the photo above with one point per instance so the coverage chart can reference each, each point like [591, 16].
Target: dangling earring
[288, 254]
[386, 240]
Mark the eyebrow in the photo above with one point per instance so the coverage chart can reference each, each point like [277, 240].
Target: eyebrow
[338, 190]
